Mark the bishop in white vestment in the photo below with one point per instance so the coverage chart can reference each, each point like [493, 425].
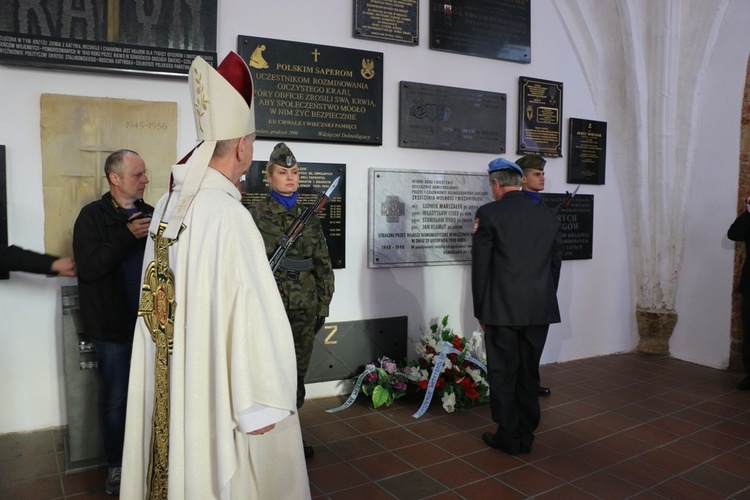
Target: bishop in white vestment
[213, 356]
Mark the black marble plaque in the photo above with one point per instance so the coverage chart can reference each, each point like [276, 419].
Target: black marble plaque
[395, 21]
[314, 178]
[159, 38]
[587, 151]
[314, 92]
[576, 223]
[449, 118]
[497, 29]
[539, 116]
[342, 349]
[3, 209]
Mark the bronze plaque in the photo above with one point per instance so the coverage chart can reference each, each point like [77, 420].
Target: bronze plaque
[395, 21]
[314, 178]
[576, 223]
[587, 151]
[452, 119]
[539, 116]
[497, 29]
[315, 92]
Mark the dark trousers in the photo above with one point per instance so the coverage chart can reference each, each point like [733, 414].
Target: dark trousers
[113, 361]
[745, 305]
[513, 355]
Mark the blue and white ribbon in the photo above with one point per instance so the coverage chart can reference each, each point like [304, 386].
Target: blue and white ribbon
[355, 392]
[437, 370]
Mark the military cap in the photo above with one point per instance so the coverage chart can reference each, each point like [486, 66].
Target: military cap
[282, 155]
[503, 164]
[531, 161]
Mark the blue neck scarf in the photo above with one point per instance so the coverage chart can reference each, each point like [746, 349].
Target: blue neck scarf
[533, 195]
[287, 201]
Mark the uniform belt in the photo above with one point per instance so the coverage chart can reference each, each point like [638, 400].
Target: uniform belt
[291, 275]
[297, 265]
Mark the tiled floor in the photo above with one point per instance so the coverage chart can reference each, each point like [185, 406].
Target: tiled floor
[620, 426]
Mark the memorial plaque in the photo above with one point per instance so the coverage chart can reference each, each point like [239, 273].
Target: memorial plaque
[587, 151]
[576, 223]
[497, 29]
[342, 349]
[423, 217]
[452, 119]
[314, 178]
[539, 116]
[315, 92]
[3, 208]
[395, 21]
[158, 37]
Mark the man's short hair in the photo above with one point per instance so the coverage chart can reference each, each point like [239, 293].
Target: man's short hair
[114, 162]
[506, 177]
[225, 146]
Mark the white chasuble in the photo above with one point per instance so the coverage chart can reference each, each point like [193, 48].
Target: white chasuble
[231, 352]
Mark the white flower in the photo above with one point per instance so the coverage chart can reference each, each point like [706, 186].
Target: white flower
[424, 375]
[476, 375]
[447, 364]
[449, 402]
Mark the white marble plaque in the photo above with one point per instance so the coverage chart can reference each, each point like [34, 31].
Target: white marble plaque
[423, 217]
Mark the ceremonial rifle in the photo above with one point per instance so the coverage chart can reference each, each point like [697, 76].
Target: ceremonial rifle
[568, 200]
[286, 242]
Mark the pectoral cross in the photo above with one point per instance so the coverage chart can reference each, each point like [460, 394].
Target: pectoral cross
[158, 310]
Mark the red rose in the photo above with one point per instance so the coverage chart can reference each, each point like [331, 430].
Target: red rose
[470, 388]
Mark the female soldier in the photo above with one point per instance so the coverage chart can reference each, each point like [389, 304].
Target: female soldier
[305, 277]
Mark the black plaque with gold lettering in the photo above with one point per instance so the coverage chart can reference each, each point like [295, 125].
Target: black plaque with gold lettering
[314, 178]
[587, 151]
[539, 116]
[449, 118]
[497, 29]
[395, 21]
[312, 92]
[576, 224]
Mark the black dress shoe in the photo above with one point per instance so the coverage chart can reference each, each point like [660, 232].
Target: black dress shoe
[544, 391]
[309, 452]
[491, 441]
[744, 384]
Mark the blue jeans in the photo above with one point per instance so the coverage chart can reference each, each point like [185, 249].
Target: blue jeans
[113, 360]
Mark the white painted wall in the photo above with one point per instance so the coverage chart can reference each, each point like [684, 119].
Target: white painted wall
[596, 296]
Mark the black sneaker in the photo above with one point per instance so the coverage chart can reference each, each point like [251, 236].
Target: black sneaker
[112, 486]
[309, 452]
[744, 384]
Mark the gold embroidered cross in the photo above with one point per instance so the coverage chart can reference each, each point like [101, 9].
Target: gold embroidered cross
[158, 310]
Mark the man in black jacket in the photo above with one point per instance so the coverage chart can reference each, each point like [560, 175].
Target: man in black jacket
[13, 258]
[109, 238]
[740, 231]
[516, 257]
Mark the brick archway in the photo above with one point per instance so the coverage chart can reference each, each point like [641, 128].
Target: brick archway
[743, 191]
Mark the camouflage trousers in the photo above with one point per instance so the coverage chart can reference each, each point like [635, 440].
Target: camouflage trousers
[303, 330]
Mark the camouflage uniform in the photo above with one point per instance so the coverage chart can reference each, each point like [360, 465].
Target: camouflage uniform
[306, 294]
